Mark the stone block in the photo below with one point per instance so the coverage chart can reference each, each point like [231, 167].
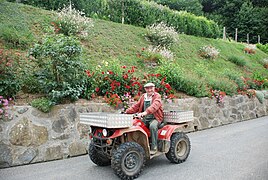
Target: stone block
[60, 124]
[6, 159]
[27, 156]
[77, 148]
[204, 122]
[25, 133]
[53, 153]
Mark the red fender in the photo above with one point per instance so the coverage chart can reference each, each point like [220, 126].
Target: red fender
[120, 132]
[166, 132]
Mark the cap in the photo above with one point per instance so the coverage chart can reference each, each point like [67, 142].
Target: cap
[149, 85]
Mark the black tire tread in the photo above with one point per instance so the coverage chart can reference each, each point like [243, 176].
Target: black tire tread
[96, 157]
[117, 158]
[171, 153]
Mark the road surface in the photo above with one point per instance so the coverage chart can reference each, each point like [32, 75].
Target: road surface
[232, 152]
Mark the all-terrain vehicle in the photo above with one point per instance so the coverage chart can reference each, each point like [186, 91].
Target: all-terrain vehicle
[123, 141]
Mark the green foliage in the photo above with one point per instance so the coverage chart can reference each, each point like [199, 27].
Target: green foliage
[249, 17]
[144, 13]
[193, 6]
[237, 60]
[263, 47]
[60, 70]
[10, 82]
[181, 80]
[42, 104]
[162, 35]
[223, 84]
[187, 71]
[236, 77]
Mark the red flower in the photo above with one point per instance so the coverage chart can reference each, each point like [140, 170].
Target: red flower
[163, 80]
[110, 72]
[97, 89]
[168, 86]
[124, 67]
[125, 76]
[128, 87]
[88, 73]
[102, 72]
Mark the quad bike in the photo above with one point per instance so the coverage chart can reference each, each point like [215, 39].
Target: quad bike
[127, 149]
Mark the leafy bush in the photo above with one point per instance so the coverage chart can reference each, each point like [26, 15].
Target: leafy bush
[237, 60]
[162, 35]
[145, 13]
[10, 62]
[42, 104]
[263, 47]
[70, 21]
[60, 71]
[208, 52]
[182, 80]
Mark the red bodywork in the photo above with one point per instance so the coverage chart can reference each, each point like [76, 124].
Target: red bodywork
[163, 133]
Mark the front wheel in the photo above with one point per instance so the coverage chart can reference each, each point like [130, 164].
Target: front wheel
[179, 148]
[128, 160]
[97, 157]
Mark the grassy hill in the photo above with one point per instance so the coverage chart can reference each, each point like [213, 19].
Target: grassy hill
[22, 26]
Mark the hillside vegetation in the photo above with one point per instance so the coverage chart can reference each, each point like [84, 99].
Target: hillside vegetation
[235, 69]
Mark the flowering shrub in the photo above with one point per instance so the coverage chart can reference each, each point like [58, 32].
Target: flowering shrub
[70, 21]
[218, 95]
[208, 52]
[154, 54]
[250, 49]
[4, 107]
[162, 35]
[120, 86]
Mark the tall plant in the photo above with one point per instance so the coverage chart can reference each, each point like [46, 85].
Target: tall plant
[60, 68]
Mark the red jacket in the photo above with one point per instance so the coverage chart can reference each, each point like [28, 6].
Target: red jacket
[156, 108]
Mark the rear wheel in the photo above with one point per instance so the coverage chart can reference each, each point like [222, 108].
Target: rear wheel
[179, 148]
[97, 157]
[128, 160]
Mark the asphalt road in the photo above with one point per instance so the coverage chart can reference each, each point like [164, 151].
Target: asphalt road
[233, 152]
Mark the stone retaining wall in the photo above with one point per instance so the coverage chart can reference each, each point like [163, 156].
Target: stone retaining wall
[30, 136]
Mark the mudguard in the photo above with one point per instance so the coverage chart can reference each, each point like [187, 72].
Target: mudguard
[166, 132]
[120, 132]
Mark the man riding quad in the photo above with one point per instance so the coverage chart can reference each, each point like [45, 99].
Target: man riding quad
[150, 108]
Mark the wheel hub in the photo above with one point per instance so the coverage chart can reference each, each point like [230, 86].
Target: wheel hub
[131, 161]
[181, 148]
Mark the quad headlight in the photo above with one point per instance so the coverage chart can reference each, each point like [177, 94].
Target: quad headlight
[104, 132]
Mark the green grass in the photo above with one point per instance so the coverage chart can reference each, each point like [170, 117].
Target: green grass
[109, 41]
